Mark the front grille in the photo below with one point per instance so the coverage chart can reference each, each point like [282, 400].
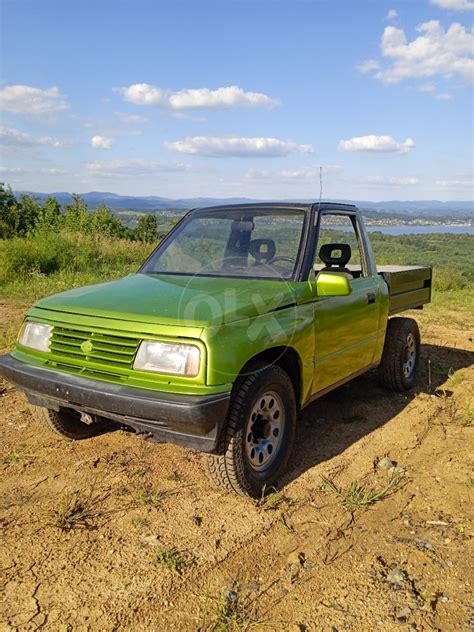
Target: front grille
[107, 349]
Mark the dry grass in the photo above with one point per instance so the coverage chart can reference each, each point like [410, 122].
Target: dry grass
[79, 509]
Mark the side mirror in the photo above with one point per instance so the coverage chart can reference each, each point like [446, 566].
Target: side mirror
[332, 284]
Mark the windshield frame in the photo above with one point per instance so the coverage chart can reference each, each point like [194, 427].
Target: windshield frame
[260, 209]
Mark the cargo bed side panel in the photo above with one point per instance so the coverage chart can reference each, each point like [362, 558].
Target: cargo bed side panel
[409, 286]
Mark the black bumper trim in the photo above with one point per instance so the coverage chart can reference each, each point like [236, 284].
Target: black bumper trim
[190, 420]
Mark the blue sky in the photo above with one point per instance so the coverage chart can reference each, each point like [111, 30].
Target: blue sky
[250, 98]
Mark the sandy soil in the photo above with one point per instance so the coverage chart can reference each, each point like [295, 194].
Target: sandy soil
[87, 526]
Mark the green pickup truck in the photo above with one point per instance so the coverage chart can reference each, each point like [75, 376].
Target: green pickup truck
[242, 316]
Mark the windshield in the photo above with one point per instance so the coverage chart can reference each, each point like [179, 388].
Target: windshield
[240, 243]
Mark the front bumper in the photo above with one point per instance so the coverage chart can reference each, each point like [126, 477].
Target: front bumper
[190, 420]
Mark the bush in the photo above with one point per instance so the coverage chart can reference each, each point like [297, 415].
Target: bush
[445, 279]
[45, 254]
[49, 253]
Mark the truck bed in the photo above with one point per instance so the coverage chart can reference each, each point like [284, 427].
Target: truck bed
[409, 286]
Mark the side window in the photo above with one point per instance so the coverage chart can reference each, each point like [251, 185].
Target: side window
[338, 248]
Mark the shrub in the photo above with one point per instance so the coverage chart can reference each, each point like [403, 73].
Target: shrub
[47, 253]
[445, 279]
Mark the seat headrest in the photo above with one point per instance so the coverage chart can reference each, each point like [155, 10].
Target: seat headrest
[335, 254]
[263, 250]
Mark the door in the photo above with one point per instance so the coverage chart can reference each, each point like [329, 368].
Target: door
[346, 327]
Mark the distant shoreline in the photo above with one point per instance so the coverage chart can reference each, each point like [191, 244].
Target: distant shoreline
[423, 229]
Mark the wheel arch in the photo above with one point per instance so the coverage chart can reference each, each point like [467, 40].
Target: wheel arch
[288, 359]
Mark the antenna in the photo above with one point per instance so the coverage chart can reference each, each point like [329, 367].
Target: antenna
[320, 186]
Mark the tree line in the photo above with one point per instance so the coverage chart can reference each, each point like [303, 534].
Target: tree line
[25, 215]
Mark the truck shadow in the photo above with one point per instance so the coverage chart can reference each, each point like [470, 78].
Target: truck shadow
[334, 422]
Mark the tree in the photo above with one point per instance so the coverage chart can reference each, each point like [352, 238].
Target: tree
[28, 214]
[8, 211]
[76, 215]
[50, 214]
[104, 223]
[147, 228]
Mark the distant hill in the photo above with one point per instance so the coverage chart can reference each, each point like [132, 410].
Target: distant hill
[418, 208]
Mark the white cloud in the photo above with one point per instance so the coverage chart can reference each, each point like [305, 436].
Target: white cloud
[235, 146]
[377, 144]
[200, 98]
[182, 116]
[434, 52]
[427, 87]
[306, 173]
[29, 101]
[14, 138]
[135, 167]
[391, 181]
[369, 66]
[52, 171]
[102, 142]
[131, 119]
[391, 15]
[444, 96]
[456, 184]
[454, 5]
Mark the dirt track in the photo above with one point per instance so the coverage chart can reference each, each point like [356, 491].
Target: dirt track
[299, 562]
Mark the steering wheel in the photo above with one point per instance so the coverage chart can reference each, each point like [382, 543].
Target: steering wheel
[281, 258]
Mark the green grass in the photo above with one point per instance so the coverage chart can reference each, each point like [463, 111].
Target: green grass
[172, 558]
[18, 454]
[229, 611]
[357, 496]
[47, 263]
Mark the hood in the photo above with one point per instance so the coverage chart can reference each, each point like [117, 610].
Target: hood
[175, 300]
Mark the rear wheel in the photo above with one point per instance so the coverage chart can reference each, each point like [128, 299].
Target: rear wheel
[397, 370]
[67, 423]
[259, 433]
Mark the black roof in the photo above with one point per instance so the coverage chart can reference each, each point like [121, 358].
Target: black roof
[283, 206]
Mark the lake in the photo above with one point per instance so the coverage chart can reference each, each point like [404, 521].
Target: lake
[416, 230]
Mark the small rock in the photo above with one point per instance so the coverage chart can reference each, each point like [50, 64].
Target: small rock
[152, 540]
[296, 558]
[396, 576]
[197, 520]
[423, 545]
[402, 615]
[386, 464]
[309, 565]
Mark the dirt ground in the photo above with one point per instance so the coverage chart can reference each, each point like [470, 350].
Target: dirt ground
[113, 533]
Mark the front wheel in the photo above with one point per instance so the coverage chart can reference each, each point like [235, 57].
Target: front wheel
[257, 439]
[401, 352]
[67, 423]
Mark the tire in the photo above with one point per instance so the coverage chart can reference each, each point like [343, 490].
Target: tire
[67, 423]
[258, 436]
[401, 353]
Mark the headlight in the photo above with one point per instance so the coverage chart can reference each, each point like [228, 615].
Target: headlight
[163, 357]
[35, 336]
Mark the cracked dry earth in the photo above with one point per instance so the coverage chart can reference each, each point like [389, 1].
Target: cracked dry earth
[114, 533]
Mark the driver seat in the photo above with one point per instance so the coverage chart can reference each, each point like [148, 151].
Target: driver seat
[336, 257]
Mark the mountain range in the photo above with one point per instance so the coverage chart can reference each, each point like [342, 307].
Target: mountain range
[149, 203]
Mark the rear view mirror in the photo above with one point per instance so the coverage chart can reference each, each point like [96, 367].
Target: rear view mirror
[332, 284]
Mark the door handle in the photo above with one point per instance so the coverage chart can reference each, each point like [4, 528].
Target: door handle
[370, 298]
